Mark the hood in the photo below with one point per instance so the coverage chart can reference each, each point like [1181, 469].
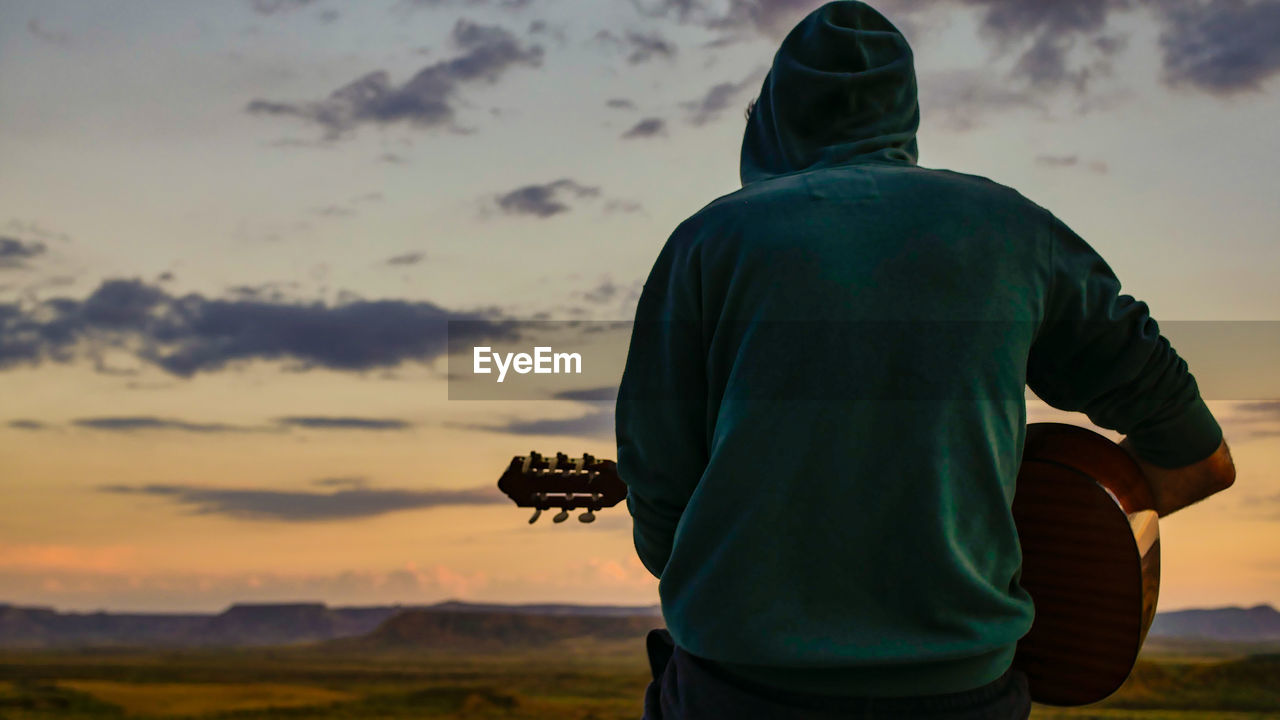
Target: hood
[842, 89]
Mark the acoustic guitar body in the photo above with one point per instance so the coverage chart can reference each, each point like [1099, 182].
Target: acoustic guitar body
[1090, 561]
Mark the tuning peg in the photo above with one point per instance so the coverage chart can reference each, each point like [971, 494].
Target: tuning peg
[561, 516]
[537, 499]
[587, 517]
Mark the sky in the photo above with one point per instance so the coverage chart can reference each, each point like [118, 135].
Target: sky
[232, 236]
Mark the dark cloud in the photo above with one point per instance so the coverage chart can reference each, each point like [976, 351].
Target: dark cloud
[1071, 161]
[52, 37]
[555, 32]
[191, 334]
[608, 393]
[412, 258]
[273, 7]
[720, 96]
[24, 424]
[1258, 418]
[1222, 47]
[333, 210]
[619, 205]
[304, 506]
[642, 47]
[344, 423]
[602, 293]
[1058, 160]
[541, 200]
[505, 4]
[620, 104]
[391, 158]
[648, 127]
[36, 230]
[137, 423]
[425, 100]
[592, 425]
[356, 481]
[132, 423]
[1261, 408]
[14, 253]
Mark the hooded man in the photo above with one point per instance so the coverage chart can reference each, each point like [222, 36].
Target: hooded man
[822, 413]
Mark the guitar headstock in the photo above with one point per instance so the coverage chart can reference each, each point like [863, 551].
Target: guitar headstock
[562, 482]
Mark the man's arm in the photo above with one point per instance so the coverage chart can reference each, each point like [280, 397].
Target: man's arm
[661, 414]
[1101, 353]
[1176, 488]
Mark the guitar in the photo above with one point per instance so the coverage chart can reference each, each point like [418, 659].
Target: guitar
[1090, 550]
[1090, 561]
[566, 483]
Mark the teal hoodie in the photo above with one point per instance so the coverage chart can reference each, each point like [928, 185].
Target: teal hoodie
[822, 412]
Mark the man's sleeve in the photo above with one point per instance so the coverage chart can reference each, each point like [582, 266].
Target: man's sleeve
[1101, 353]
[661, 414]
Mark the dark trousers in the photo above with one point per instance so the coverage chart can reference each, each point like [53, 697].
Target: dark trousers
[686, 687]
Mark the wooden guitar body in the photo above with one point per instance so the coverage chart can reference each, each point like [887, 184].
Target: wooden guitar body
[1090, 561]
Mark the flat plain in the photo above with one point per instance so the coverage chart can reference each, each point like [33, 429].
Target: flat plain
[583, 680]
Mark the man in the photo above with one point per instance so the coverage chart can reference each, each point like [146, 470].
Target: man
[822, 413]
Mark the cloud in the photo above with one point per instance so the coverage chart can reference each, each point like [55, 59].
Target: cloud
[137, 423]
[770, 18]
[1222, 47]
[620, 104]
[961, 96]
[355, 482]
[619, 205]
[1269, 409]
[1052, 49]
[593, 425]
[607, 393]
[1259, 418]
[307, 506]
[412, 258]
[131, 423]
[506, 4]
[1069, 161]
[1053, 29]
[189, 334]
[720, 96]
[648, 127]
[642, 47]
[425, 100]
[541, 200]
[52, 37]
[33, 229]
[345, 423]
[602, 293]
[1058, 160]
[14, 253]
[275, 7]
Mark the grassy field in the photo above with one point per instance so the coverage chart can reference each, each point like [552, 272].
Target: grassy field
[590, 681]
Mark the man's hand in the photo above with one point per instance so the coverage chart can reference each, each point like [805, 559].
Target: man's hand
[1176, 488]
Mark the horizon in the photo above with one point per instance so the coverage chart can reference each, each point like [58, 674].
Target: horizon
[172, 169]
[456, 601]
